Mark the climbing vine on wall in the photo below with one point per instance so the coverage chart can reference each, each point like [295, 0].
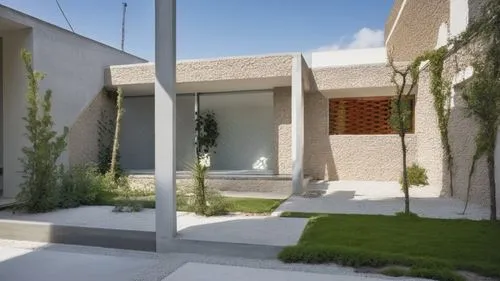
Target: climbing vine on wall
[482, 93]
[441, 92]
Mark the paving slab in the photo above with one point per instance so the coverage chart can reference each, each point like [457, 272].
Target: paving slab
[261, 230]
[379, 198]
[41, 265]
[211, 272]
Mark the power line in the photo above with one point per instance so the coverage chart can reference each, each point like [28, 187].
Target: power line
[64, 15]
[123, 24]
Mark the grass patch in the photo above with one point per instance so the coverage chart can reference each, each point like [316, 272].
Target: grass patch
[428, 273]
[243, 205]
[428, 246]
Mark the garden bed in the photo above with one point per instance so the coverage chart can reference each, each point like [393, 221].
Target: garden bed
[235, 204]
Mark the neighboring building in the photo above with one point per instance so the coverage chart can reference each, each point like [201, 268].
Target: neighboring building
[333, 108]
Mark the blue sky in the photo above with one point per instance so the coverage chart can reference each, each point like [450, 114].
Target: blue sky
[215, 28]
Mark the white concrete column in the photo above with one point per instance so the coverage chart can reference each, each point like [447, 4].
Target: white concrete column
[297, 126]
[165, 100]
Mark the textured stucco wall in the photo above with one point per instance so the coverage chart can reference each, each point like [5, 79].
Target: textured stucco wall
[283, 130]
[391, 19]
[462, 132]
[370, 157]
[205, 70]
[318, 155]
[83, 138]
[429, 151]
[359, 76]
[340, 157]
[281, 185]
[417, 28]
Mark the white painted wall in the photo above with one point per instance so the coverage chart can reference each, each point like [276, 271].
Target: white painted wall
[459, 16]
[14, 90]
[246, 129]
[74, 68]
[348, 57]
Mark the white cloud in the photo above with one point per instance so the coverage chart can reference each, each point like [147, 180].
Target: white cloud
[364, 38]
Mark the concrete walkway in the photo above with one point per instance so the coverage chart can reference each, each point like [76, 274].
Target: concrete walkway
[379, 198]
[258, 230]
[21, 261]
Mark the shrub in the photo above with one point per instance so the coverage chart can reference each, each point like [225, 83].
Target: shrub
[84, 185]
[199, 198]
[417, 176]
[40, 171]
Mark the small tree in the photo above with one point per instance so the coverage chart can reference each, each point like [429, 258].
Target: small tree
[116, 140]
[482, 93]
[41, 173]
[207, 132]
[400, 119]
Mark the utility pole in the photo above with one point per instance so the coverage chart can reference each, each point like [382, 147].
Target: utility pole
[123, 24]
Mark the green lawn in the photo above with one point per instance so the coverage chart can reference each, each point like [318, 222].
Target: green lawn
[244, 205]
[363, 240]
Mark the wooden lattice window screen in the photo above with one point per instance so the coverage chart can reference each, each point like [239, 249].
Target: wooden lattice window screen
[361, 116]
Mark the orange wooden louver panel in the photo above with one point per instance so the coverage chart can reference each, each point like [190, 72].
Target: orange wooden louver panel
[360, 116]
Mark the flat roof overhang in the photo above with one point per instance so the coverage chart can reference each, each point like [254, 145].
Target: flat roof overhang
[355, 81]
[206, 76]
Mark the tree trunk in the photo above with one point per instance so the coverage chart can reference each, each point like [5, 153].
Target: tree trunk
[116, 144]
[491, 176]
[405, 176]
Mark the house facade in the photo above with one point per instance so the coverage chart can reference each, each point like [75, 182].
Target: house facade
[322, 116]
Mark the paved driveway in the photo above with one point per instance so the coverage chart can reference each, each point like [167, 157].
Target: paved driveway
[379, 198]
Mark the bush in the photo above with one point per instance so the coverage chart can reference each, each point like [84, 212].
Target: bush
[84, 185]
[417, 176]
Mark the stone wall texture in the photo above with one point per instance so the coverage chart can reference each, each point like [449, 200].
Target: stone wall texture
[417, 28]
[205, 70]
[351, 77]
[83, 139]
[283, 130]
